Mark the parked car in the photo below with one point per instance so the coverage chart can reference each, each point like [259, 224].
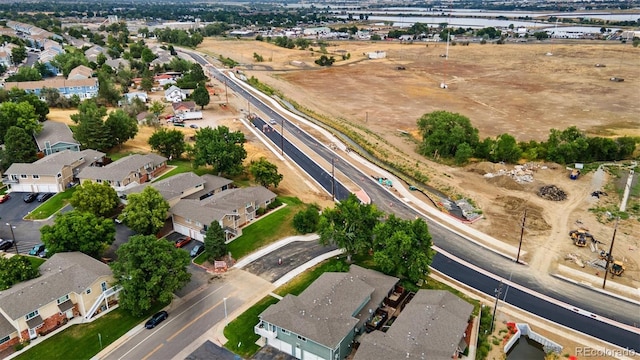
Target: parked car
[36, 250]
[193, 126]
[272, 121]
[30, 197]
[6, 244]
[178, 124]
[4, 198]
[156, 319]
[197, 250]
[183, 241]
[42, 197]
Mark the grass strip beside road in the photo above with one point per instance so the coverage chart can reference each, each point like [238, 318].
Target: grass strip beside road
[51, 206]
[83, 341]
[269, 228]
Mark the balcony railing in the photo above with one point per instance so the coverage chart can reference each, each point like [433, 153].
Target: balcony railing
[261, 330]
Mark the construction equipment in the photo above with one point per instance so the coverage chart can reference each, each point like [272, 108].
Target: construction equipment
[580, 237]
[617, 268]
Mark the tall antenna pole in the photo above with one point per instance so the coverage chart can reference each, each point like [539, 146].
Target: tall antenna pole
[609, 256]
[524, 219]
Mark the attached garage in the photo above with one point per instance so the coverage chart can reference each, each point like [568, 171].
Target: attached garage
[187, 231]
[36, 188]
[280, 345]
[46, 188]
[309, 356]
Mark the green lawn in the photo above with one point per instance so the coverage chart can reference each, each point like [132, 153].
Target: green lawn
[35, 261]
[52, 205]
[182, 166]
[239, 332]
[82, 341]
[272, 227]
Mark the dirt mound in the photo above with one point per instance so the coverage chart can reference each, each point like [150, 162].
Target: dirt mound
[552, 192]
[484, 167]
[505, 182]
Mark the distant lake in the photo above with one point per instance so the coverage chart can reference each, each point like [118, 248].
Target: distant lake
[406, 21]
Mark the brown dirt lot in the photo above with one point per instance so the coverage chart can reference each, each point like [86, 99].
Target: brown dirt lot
[512, 88]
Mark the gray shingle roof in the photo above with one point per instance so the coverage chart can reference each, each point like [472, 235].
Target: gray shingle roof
[431, 325]
[212, 183]
[324, 312]
[54, 132]
[6, 328]
[121, 168]
[51, 165]
[62, 274]
[171, 187]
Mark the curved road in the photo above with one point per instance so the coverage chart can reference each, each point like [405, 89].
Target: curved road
[593, 303]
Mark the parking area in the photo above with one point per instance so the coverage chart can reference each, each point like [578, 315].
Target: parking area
[27, 233]
[175, 236]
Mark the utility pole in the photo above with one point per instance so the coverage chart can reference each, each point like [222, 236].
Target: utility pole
[282, 137]
[226, 93]
[524, 218]
[497, 292]
[609, 256]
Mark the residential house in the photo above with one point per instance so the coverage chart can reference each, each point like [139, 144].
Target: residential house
[53, 173]
[118, 63]
[5, 56]
[80, 72]
[142, 96]
[182, 108]
[432, 325]
[92, 53]
[70, 285]
[84, 89]
[126, 172]
[46, 57]
[322, 322]
[231, 208]
[174, 94]
[166, 78]
[56, 137]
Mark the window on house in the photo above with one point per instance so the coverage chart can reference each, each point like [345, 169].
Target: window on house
[198, 224]
[32, 314]
[63, 299]
[59, 175]
[302, 338]
[188, 221]
[23, 176]
[5, 339]
[88, 291]
[36, 176]
[267, 202]
[285, 331]
[99, 181]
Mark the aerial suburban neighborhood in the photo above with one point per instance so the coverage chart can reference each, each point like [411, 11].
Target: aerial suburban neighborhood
[325, 181]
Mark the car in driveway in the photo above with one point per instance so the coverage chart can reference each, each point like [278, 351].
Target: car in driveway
[193, 126]
[37, 250]
[6, 244]
[156, 319]
[182, 241]
[4, 198]
[30, 197]
[44, 197]
[197, 250]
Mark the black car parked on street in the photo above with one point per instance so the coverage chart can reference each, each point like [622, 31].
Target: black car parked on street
[156, 319]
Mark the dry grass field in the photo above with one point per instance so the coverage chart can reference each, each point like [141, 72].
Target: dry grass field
[513, 88]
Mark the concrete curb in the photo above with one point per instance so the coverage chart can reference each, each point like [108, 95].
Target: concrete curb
[274, 246]
[593, 288]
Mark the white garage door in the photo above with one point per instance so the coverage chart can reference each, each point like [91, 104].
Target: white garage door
[46, 188]
[20, 188]
[309, 356]
[280, 345]
[181, 229]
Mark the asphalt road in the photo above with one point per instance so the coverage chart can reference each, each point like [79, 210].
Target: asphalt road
[591, 301]
[27, 233]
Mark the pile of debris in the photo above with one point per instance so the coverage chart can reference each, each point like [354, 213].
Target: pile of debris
[575, 258]
[552, 192]
[520, 173]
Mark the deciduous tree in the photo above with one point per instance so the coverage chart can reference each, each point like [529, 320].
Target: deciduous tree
[78, 231]
[169, 143]
[20, 114]
[306, 221]
[265, 173]
[91, 131]
[121, 127]
[403, 248]
[443, 132]
[149, 271]
[98, 199]
[220, 148]
[214, 242]
[349, 225]
[14, 270]
[19, 147]
[145, 212]
[201, 96]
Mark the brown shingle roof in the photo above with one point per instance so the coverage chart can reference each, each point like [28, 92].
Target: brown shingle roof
[53, 164]
[54, 132]
[121, 168]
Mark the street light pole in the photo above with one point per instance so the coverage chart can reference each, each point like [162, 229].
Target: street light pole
[13, 236]
[498, 292]
[282, 137]
[524, 218]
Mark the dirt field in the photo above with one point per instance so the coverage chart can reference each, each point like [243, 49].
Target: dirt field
[513, 88]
